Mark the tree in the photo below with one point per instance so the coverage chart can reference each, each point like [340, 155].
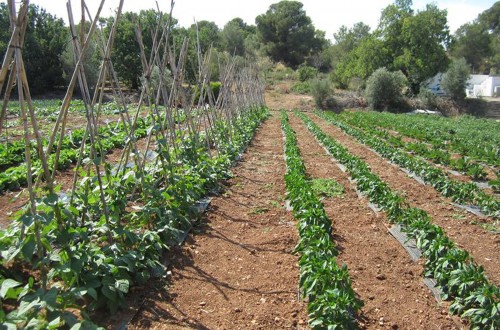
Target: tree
[455, 79]
[45, 41]
[473, 43]
[253, 46]
[126, 52]
[490, 18]
[415, 42]
[92, 59]
[370, 54]
[479, 42]
[384, 89]
[346, 40]
[233, 36]
[390, 25]
[5, 31]
[288, 33]
[424, 38]
[206, 33]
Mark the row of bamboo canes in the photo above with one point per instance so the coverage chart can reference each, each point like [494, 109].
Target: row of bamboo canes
[241, 89]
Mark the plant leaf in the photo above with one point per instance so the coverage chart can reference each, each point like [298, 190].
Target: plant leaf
[8, 284]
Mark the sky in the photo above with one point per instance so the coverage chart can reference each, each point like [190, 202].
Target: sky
[326, 15]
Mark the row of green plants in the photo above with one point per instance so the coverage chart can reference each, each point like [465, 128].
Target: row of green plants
[327, 286]
[458, 277]
[110, 137]
[81, 253]
[478, 139]
[12, 152]
[460, 192]
[49, 109]
[433, 153]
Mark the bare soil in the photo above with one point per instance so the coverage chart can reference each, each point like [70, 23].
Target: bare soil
[279, 97]
[239, 270]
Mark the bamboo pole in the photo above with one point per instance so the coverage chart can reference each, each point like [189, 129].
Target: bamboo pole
[69, 92]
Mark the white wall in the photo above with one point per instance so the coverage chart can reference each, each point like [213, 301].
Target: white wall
[487, 87]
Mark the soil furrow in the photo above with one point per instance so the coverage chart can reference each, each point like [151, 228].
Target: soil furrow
[239, 270]
[383, 275]
[462, 227]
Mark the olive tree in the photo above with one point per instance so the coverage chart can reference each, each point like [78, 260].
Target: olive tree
[455, 79]
[384, 89]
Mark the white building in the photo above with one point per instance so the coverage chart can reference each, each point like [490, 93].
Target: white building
[477, 85]
[483, 85]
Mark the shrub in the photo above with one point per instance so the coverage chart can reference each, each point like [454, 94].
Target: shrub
[384, 89]
[302, 87]
[282, 72]
[455, 79]
[427, 98]
[214, 87]
[332, 103]
[320, 90]
[356, 84]
[306, 72]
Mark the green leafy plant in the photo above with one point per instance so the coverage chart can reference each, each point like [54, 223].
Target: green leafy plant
[332, 301]
[326, 188]
[460, 192]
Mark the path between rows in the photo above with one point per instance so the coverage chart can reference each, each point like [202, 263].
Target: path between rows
[238, 270]
[383, 274]
[462, 227]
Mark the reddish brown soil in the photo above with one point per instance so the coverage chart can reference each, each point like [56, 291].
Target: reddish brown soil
[383, 274]
[239, 271]
[10, 203]
[280, 98]
[13, 201]
[462, 227]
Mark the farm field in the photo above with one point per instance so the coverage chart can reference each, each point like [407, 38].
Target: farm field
[242, 262]
[14, 176]
[184, 178]
[206, 291]
[246, 265]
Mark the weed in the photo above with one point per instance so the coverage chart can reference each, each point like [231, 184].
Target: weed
[327, 188]
[258, 210]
